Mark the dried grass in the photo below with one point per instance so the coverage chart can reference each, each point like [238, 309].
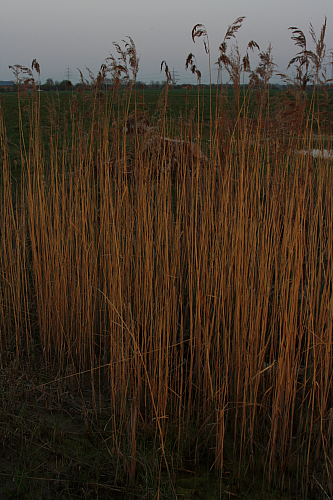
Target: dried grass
[198, 288]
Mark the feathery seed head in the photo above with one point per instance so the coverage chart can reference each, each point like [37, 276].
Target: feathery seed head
[35, 66]
[198, 31]
[167, 72]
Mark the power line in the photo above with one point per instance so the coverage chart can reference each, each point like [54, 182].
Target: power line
[68, 74]
[175, 76]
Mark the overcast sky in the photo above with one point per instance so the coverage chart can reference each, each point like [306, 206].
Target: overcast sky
[69, 34]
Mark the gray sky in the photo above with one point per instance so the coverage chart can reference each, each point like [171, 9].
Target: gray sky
[73, 34]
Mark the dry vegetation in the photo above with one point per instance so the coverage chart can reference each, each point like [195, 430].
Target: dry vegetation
[184, 282]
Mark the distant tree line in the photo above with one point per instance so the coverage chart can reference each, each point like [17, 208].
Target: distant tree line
[139, 85]
[55, 85]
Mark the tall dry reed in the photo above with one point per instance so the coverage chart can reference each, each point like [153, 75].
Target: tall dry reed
[192, 282]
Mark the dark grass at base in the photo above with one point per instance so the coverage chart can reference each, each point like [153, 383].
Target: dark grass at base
[56, 445]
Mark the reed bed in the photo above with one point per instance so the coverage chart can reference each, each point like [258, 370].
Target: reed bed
[189, 280]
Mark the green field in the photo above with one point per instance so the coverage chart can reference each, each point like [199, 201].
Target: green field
[182, 107]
